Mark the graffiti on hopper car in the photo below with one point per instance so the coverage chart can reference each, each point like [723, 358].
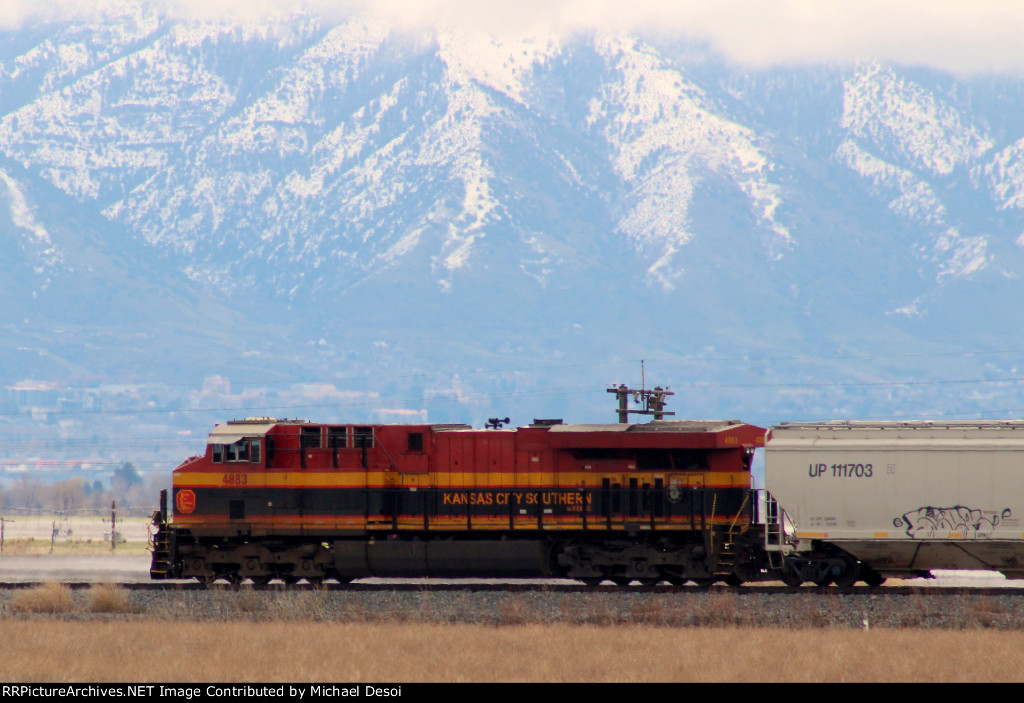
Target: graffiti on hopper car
[961, 521]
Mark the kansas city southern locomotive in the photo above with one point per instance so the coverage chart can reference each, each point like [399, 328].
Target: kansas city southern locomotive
[660, 501]
[666, 500]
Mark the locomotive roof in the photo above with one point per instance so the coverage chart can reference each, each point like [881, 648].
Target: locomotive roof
[235, 430]
[231, 432]
[655, 426]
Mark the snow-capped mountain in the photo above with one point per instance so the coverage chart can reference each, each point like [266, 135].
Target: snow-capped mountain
[311, 200]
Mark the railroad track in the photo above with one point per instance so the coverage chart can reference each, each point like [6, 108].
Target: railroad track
[750, 590]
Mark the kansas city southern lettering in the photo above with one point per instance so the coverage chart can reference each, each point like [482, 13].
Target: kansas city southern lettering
[515, 498]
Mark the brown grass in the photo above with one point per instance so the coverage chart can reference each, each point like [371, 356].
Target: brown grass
[403, 652]
[47, 598]
[109, 598]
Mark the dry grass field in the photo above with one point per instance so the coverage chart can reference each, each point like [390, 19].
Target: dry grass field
[56, 650]
[51, 634]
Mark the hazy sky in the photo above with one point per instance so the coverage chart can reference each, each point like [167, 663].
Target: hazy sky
[958, 35]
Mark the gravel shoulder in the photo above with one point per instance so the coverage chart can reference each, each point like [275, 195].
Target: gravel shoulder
[715, 607]
[605, 606]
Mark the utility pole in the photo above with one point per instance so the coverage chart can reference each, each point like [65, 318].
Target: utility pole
[113, 523]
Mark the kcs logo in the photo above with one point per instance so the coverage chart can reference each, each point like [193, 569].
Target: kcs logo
[185, 500]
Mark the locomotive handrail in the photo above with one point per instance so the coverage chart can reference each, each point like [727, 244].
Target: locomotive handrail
[380, 444]
[746, 498]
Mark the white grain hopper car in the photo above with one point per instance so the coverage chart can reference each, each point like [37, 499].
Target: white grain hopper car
[869, 499]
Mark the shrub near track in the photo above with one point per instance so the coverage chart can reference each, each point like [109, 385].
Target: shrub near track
[50, 598]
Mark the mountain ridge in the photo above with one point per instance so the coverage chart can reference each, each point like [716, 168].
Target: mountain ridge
[201, 199]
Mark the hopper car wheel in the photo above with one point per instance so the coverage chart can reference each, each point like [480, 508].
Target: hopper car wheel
[621, 580]
[648, 582]
[260, 581]
[873, 578]
[704, 582]
[591, 580]
[314, 581]
[849, 575]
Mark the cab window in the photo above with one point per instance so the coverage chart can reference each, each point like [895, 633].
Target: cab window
[245, 450]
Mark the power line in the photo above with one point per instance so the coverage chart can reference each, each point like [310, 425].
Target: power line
[456, 397]
[533, 369]
[460, 397]
[1012, 379]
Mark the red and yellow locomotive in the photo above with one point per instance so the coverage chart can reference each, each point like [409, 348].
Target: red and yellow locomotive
[665, 500]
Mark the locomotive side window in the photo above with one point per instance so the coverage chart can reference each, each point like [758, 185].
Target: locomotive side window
[239, 451]
[362, 437]
[247, 450]
[415, 441]
[337, 437]
[310, 437]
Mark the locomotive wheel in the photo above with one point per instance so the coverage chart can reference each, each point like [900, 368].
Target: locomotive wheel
[823, 581]
[704, 582]
[733, 580]
[674, 579]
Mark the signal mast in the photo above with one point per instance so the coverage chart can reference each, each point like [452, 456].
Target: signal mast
[652, 401]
